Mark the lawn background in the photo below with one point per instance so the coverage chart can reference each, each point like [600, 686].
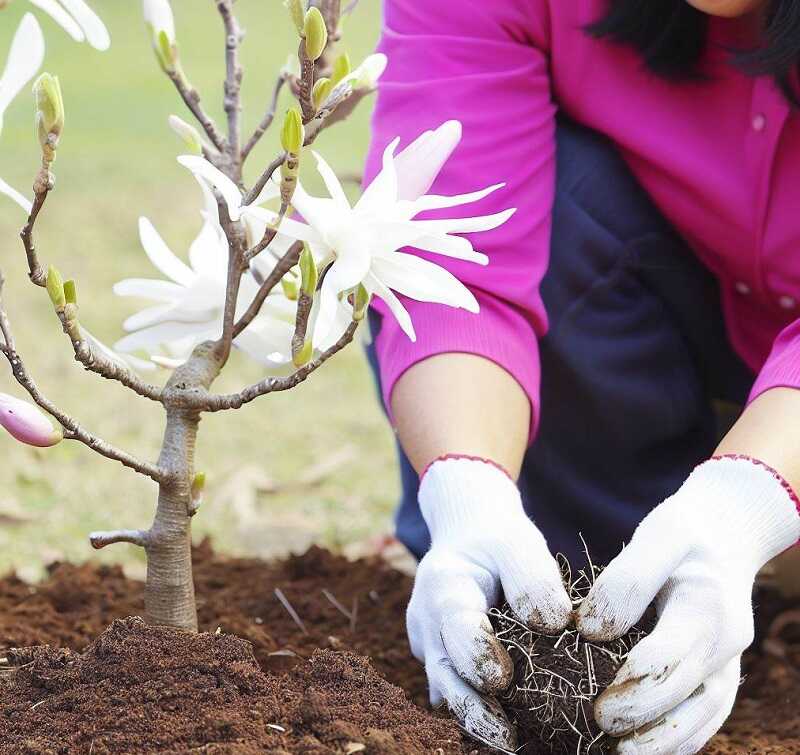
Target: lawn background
[315, 463]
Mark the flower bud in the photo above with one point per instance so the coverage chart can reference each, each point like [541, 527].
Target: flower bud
[308, 271]
[315, 33]
[297, 12]
[303, 356]
[161, 23]
[70, 292]
[290, 290]
[198, 484]
[49, 110]
[341, 68]
[55, 289]
[189, 134]
[292, 133]
[322, 88]
[361, 299]
[27, 424]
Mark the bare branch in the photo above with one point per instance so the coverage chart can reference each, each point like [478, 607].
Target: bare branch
[306, 83]
[235, 234]
[304, 303]
[191, 97]
[233, 81]
[36, 272]
[72, 430]
[251, 195]
[283, 266]
[100, 540]
[83, 351]
[266, 121]
[221, 402]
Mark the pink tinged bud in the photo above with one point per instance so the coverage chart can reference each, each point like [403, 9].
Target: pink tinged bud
[26, 423]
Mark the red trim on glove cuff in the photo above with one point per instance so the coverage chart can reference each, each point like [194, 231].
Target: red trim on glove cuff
[774, 472]
[447, 457]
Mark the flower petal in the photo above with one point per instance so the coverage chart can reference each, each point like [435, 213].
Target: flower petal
[161, 255]
[229, 190]
[24, 59]
[146, 288]
[437, 202]
[320, 213]
[20, 199]
[331, 182]
[94, 29]
[146, 318]
[421, 161]
[396, 307]
[292, 228]
[61, 17]
[150, 339]
[123, 361]
[422, 280]
[382, 192]
[467, 225]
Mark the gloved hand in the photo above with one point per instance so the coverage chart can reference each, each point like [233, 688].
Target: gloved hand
[697, 553]
[482, 541]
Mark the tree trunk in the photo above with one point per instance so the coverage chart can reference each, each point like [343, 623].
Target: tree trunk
[169, 592]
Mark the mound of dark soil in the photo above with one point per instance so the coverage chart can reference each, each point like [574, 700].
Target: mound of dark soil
[140, 689]
[330, 700]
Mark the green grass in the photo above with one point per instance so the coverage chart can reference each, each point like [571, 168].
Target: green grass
[115, 163]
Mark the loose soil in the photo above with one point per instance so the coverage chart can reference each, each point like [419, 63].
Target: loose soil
[127, 688]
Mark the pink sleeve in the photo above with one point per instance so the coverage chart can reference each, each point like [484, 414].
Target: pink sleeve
[484, 64]
[782, 368]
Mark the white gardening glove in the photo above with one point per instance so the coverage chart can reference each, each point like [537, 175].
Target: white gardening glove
[698, 554]
[482, 543]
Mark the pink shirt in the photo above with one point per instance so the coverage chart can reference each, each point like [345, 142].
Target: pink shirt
[720, 159]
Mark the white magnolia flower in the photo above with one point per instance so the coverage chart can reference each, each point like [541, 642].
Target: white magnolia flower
[188, 307]
[362, 241]
[158, 16]
[78, 20]
[24, 60]
[367, 74]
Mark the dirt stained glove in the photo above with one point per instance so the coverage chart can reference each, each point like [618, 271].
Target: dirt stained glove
[483, 544]
[697, 554]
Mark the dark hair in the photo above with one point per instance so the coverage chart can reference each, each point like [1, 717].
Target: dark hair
[671, 36]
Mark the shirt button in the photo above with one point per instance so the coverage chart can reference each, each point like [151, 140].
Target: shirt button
[787, 302]
[759, 122]
[742, 288]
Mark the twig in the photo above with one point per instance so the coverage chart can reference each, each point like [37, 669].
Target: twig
[233, 79]
[336, 604]
[354, 615]
[266, 121]
[100, 540]
[290, 609]
[72, 430]
[286, 263]
[83, 350]
[221, 402]
[36, 272]
[304, 303]
[251, 195]
[191, 98]
[305, 86]
[235, 234]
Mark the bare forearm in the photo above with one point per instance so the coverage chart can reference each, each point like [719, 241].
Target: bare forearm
[461, 404]
[769, 430]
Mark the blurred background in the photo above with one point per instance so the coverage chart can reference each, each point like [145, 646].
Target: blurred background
[311, 465]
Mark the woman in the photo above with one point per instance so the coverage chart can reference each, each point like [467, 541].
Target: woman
[653, 151]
